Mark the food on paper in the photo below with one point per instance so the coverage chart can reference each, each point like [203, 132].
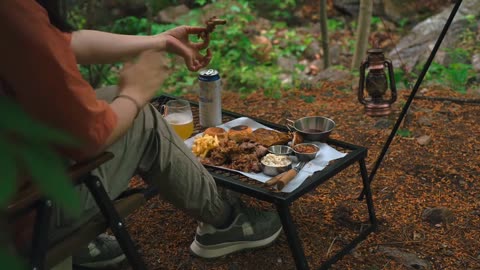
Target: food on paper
[305, 148]
[216, 131]
[240, 148]
[244, 156]
[276, 160]
[202, 145]
[269, 137]
[240, 133]
[297, 138]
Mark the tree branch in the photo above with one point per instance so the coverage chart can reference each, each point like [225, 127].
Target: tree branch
[452, 99]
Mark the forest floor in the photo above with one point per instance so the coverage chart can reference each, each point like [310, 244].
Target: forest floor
[434, 161]
[418, 172]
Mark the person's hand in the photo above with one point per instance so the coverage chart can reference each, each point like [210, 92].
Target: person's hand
[177, 42]
[141, 79]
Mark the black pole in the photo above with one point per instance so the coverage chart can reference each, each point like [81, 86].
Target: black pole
[412, 94]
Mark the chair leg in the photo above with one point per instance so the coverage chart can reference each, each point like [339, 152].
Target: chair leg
[114, 221]
[40, 235]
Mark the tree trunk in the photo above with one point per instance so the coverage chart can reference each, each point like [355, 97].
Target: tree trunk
[363, 30]
[324, 33]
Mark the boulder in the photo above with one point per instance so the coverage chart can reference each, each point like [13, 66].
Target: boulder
[263, 48]
[396, 10]
[438, 215]
[332, 74]
[410, 260]
[287, 63]
[352, 7]
[417, 46]
[313, 50]
[171, 14]
[423, 140]
[476, 62]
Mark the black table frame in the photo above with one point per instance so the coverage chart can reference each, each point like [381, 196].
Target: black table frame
[282, 201]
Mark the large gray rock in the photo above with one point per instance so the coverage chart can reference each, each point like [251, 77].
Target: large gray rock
[476, 62]
[410, 260]
[417, 46]
[287, 63]
[351, 7]
[332, 74]
[171, 14]
[438, 215]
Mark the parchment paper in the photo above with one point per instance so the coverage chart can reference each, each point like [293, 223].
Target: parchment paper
[326, 154]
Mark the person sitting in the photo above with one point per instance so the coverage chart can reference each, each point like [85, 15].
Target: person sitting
[39, 71]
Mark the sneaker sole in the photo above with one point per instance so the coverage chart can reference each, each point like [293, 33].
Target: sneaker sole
[214, 251]
[103, 264]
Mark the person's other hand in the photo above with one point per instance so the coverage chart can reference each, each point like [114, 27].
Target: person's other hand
[142, 79]
[178, 42]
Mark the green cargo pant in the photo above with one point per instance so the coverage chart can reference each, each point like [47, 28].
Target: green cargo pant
[152, 149]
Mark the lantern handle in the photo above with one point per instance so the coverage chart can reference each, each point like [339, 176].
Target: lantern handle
[391, 75]
[361, 82]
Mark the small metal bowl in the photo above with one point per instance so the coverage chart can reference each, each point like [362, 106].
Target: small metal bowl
[312, 128]
[302, 156]
[275, 170]
[281, 150]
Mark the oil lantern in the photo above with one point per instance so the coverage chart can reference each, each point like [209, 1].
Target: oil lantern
[376, 84]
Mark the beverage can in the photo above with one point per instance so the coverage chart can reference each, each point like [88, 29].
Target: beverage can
[210, 104]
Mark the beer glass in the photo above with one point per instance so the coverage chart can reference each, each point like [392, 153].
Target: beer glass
[179, 115]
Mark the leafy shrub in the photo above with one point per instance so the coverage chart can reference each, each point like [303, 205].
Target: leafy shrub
[27, 149]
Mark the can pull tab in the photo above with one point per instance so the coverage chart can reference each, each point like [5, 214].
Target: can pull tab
[210, 72]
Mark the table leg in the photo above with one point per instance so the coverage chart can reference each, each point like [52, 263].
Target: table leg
[368, 192]
[292, 237]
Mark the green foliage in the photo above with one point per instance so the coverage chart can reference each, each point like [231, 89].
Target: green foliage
[456, 74]
[403, 22]
[28, 149]
[10, 261]
[130, 26]
[292, 46]
[201, 2]
[375, 21]
[400, 78]
[234, 54]
[335, 25]
[307, 98]
[403, 132]
[30, 145]
[280, 10]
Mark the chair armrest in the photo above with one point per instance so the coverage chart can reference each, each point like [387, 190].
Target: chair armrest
[80, 169]
[27, 197]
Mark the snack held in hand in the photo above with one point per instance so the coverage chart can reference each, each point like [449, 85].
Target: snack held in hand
[211, 24]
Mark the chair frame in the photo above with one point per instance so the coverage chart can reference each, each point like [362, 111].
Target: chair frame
[33, 200]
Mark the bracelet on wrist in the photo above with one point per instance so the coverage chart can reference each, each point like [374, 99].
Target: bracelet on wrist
[135, 102]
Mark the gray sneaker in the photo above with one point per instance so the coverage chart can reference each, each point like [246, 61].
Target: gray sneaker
[102, 252]
[250, 229]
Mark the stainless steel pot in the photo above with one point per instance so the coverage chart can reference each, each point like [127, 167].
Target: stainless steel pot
[312, 128]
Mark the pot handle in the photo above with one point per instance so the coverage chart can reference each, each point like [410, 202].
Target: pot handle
[290, 124]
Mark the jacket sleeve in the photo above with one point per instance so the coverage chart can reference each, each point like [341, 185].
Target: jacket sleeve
[39, 66]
